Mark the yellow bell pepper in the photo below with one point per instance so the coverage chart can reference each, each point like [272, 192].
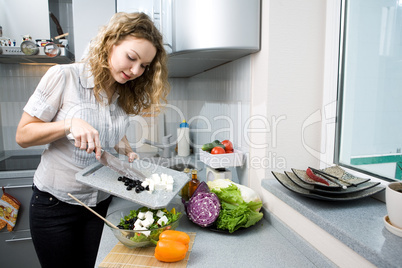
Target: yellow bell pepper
[172, 246]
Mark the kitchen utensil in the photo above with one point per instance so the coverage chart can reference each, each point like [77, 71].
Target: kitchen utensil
[144, 237]
[317, 173]
[106, 179]
[313, 189]
[51, 50]
[334, 171]
[93, 211]
[121, 256]
[123, 168]
[29, 48]
[326, 175]
[288, 184]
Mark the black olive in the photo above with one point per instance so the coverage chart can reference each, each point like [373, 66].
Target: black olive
[120, 178]
[147, 188]
[137, 190]
[129, 188]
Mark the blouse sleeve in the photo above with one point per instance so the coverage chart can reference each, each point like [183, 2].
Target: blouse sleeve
[46, 99]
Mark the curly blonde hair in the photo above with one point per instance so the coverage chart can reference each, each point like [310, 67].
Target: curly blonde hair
[152, 87]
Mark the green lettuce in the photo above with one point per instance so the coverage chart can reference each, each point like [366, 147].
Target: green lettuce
[235, 212]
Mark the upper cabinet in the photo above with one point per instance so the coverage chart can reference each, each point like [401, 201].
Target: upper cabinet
[200, 35]
[88, 17]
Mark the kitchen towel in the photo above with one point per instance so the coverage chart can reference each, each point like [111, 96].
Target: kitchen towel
[9, 207]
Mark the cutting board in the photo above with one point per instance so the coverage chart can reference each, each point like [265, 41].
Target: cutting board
[124, 257]
[105, 179]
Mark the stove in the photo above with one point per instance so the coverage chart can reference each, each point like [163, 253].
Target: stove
[20, 162]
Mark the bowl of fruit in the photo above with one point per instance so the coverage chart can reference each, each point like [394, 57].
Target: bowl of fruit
[141, 227]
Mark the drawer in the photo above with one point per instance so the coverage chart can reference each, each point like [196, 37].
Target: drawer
[21, 189]
[17, 250]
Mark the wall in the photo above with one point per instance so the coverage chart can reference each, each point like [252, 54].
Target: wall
[17, 84]
[14, 19]
[216, 104]
[288, 92]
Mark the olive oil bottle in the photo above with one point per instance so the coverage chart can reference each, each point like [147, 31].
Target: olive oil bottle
[193, 184]
[184, 190]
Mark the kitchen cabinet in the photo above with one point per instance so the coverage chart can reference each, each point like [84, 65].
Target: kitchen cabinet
[200, 35]
[88, 17]
[16, 247]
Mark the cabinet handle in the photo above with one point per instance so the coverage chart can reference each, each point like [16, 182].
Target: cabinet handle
[17, 186]
[18, 239]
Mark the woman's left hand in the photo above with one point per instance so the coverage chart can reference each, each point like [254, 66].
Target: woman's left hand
[131, 156]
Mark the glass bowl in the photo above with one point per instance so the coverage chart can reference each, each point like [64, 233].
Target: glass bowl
[140, 238]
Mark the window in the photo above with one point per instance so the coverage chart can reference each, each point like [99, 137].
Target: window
[369, 126]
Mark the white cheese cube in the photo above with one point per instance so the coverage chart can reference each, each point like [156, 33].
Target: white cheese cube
[146, 233]
[149, 215]
[160, 186]
[169, 180]
[145, 183]
[138, 225]
[160, 213]
[147, 222]
[138, 228]
[141, 215]
[155, 177]
[169, 187]
[151, 186]
[164, 177]
[162, 221]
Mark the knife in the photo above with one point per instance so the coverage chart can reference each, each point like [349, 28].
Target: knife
[114, 163]
[121, 167]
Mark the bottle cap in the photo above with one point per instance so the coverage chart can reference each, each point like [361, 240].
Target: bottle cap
[184, 124]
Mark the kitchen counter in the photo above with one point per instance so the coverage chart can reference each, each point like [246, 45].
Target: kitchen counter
[256, 246]
[357, 224]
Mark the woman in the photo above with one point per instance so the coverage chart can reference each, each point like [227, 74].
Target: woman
[124, 73]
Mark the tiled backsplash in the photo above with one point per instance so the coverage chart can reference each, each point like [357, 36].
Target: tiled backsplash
[18, 82]
[215, 103]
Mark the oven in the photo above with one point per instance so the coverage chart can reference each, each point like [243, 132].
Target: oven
[16, 176]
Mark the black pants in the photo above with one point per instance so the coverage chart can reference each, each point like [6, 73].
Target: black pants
[65, 235]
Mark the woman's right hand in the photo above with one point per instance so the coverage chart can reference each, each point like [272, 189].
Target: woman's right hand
[86, 137]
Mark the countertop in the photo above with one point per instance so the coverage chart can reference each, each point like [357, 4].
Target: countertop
[256, 246]
[358, 224]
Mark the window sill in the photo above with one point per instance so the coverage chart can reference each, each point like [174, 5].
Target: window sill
[357, 224]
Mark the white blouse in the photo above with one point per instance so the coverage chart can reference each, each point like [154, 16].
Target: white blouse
[64, 92]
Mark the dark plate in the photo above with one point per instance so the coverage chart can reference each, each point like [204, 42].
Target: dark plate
[344, 178]
[290, 185]
[312, 188]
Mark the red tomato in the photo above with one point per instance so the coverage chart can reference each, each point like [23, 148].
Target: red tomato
[218, 150]
[228, 145]
[229, 152]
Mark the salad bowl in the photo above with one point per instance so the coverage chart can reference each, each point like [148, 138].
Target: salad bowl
[133, 234]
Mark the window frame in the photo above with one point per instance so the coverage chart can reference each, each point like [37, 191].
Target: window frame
[332, 95]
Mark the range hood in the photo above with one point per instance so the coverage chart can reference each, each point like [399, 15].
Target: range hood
[15, 55]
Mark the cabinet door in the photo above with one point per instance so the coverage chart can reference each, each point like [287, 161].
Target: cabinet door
[88, 16]
[17, 250]
[18, 242]
[160, 11]
[217, 24]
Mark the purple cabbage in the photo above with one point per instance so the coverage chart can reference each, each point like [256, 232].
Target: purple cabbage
[203, 208]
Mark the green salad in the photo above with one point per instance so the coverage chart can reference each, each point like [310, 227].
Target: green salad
[149, 223]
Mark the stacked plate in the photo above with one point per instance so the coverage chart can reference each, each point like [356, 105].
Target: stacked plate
[333, 183]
